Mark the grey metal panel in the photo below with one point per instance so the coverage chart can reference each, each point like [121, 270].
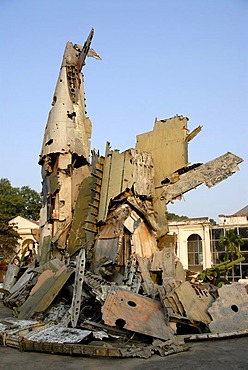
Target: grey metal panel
[210, 173]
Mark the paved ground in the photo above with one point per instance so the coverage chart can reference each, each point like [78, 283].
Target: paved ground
[210, 355]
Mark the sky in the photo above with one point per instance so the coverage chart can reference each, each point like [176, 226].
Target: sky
[159, 58]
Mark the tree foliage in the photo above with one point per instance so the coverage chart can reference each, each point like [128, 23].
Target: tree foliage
[232, 242]
[8, 239]
[22, 201]
[212, 221]
[14, 202]
[173, 216]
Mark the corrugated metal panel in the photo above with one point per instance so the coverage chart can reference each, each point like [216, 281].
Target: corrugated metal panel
[143, 242]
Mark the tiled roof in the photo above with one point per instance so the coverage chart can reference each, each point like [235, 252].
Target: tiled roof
[242, 212]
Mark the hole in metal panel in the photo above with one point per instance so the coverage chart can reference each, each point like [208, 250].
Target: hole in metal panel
[132, 303]
[234, 308]
[120, 323]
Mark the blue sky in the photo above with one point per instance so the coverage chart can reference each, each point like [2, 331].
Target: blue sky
[159, 58]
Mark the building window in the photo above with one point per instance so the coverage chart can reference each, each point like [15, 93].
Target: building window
[243, 231]
[218, 251]
[195, 256]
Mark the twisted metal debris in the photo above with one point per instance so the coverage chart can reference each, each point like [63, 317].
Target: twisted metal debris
[106, 281]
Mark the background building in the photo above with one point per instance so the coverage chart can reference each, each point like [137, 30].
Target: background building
[28, 231]
[198, 241]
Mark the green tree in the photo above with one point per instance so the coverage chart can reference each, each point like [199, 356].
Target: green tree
[173, 216]
[22, 201]
[32, 203]
[14, 202]
[212, 221]
[8, 239]
[232, 242]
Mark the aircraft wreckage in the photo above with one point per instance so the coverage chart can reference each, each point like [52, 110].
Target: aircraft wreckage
[106, 280]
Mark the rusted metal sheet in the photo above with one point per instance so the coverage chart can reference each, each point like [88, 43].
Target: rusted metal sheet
[46, 291]
[109, 231]
[164, 261]
[45, 251]
[137, 313]
[169, 241]
[112, 180]
[210, 173]
[230, 311]
[195, 304]
[109, 243]
[188, 302]
[11, 276]
[27, 276]
[150, 289]
[107, 249]
[168, 146]
[80, 231]
[131, 168]
[180, 273]
[143, 241]
[46, 275]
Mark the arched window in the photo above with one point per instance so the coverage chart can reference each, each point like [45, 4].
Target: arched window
[27, 251]
[195, 257]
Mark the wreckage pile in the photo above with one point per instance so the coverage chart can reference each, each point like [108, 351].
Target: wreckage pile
[106, 280]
